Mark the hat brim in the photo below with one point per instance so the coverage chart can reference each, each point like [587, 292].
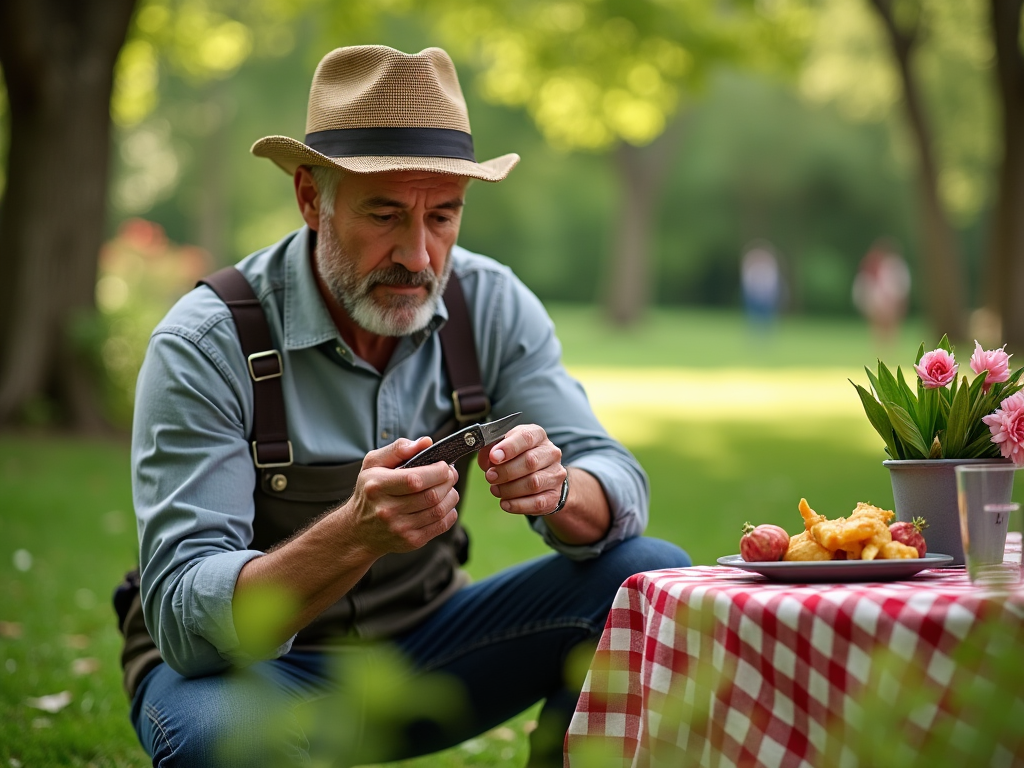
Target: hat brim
[289, 154]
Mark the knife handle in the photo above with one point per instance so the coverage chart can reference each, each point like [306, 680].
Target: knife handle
[451, 449]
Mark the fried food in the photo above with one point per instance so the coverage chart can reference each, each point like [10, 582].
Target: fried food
[803, 547]
[866, 510]
[895, 550]
[864, 535]
[810, 517]
[845, 534]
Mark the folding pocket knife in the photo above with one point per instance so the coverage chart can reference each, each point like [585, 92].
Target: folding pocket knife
[466, 440]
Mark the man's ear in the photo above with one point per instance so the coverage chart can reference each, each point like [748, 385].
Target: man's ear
[308, 197]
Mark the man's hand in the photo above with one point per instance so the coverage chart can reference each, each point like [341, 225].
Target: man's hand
[391, 510]
[525, 471]
[398, 510]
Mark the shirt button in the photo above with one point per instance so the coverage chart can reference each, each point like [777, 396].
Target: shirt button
[384, 434]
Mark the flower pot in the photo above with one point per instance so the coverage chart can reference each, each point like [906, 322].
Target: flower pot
[927, 488]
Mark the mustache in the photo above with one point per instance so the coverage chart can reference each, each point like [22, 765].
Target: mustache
[396, 274]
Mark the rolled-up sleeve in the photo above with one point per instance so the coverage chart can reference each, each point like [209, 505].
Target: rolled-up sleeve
[192, 488]
[523, 371]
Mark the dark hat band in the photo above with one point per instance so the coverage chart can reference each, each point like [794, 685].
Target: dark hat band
[393, 142]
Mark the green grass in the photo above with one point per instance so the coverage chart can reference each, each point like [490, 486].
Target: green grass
[704, 338]
[68, 504]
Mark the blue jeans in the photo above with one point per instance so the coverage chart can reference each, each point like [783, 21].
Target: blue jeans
[493, 650]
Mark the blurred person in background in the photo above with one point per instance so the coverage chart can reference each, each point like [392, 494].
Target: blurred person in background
[761, 283]
[881, 290]
[380, 335]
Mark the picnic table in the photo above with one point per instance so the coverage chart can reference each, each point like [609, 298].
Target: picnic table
[714, 666]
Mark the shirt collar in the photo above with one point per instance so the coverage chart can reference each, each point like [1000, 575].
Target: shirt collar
[307, 323]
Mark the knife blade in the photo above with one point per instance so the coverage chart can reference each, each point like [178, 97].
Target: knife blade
[466, 440]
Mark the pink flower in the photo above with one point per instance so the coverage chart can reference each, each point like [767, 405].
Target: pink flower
[1007, 427]
[937, 368]
[995, 361]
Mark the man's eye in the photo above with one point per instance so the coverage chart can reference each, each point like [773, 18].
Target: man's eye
[383, 217]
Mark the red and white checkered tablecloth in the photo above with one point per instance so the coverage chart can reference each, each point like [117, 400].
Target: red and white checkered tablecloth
[714, 667]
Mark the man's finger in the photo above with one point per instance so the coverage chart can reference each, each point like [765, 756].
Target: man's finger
[549, 479]
[397, 453]
[443, 509]
[518, 440]
[532, 461]
[422, 487]
[409, 483]
[531, 505]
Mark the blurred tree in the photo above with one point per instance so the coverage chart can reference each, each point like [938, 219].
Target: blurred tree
[612, 75]
[945, 302]
[1005, 283]
[68, 70]
[944, 54]
[58, 60]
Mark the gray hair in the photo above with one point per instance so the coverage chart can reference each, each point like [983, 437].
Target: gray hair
[327, 180]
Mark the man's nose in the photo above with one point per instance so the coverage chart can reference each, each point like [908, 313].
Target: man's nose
[411, 251]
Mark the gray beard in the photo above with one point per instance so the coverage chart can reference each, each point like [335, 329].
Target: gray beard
[388, 316]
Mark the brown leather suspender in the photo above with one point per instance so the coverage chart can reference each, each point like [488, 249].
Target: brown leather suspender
[460, 359]
[270, 444]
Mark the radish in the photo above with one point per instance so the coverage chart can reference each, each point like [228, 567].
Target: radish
[910, 534]
[765, 542]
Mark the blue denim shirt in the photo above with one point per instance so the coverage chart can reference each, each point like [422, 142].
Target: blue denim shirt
[193, 473]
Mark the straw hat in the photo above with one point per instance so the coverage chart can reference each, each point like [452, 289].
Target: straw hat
[373, 109]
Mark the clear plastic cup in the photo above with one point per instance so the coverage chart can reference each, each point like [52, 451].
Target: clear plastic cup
[990, 524]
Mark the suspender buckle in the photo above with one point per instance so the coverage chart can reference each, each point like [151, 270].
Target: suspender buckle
[475, 398]
[262, 365]
[270, 449]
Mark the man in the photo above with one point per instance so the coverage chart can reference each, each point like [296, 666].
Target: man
[360, 357]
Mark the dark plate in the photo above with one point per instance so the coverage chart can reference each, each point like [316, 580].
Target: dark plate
[840, 570]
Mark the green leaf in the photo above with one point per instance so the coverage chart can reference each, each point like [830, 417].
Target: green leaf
[874, 381]
[1005, 389]
[890, 393]
[958, 424]
[944, 344]
[901, 450]
[982, 405]
[928, 410]
[909, 398]
[907, 431]
[879, 419]
[943, 415]
[920, 354]
[981, 447]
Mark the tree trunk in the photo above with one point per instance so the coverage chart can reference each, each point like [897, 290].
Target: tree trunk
[1005, 274]
[58, 60]
[940, 255]
[642, 172]
[213, 212]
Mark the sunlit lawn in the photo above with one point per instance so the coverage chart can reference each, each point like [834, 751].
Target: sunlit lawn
[760, 423]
